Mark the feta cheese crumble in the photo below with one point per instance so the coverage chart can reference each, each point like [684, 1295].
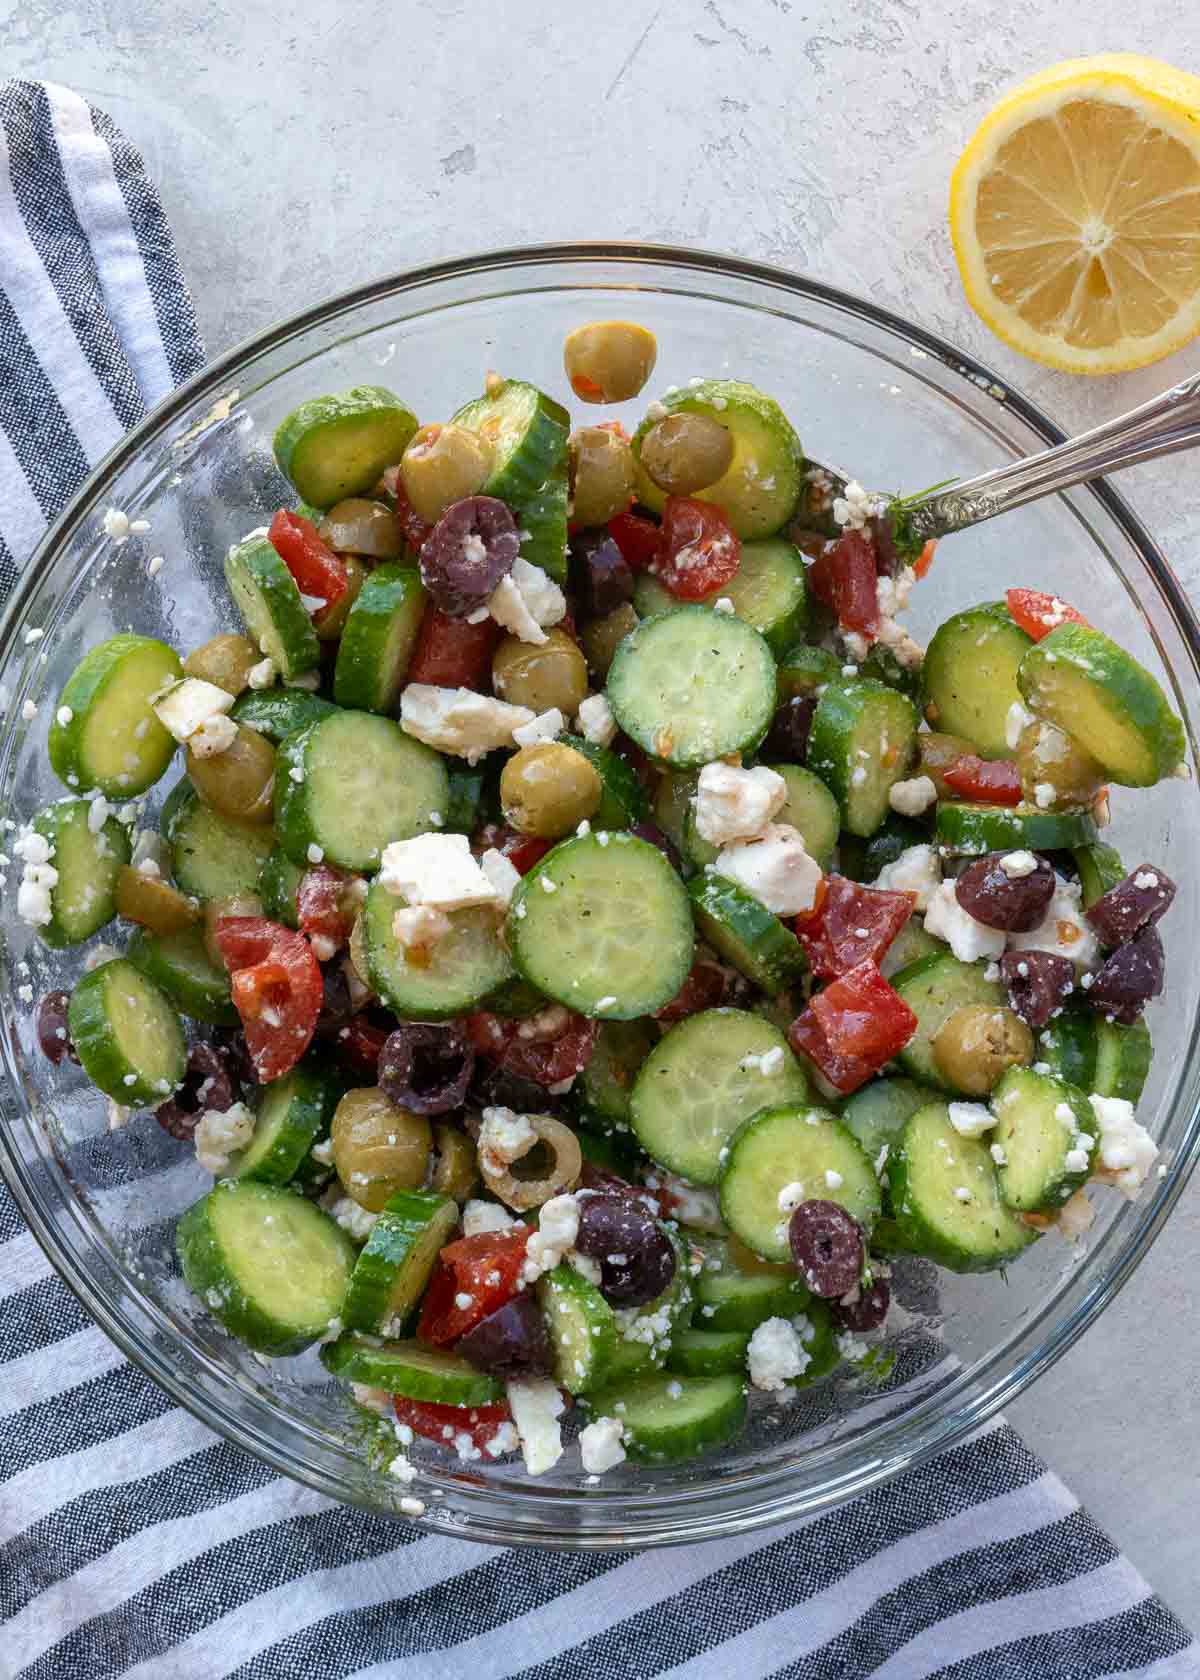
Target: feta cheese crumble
[481, 1217]
[1127, 1151]
[504, 1137]
[776, 870]
[459, 721]
[733, 804]
[536, 1406]
[917, 870]
[912, 797]
[776, 1354]
[526, 601]
[946, 919]
[501, 875]
[971, 1120]
[600, 1445]
[558, 1226]
[190, 704]
[1063, 929]
[219, 1135]
[436, 870]
[596, 721]
[547, 726]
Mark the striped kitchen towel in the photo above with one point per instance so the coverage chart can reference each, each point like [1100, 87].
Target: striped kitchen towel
[133, 1542]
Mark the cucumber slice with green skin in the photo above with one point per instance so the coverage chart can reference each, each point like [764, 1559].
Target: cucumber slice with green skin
[527, 432]
[212, 856]
[671, 1419]
[337, 446]
[543, 520]
[293, 1113]
[802, 670]
[391, 1272]
[179, 964]
[83, 898]
[362, 784]
[792, 1144]
[672, 802]
[933, 989]
[1040, 1123]
[969, 677]
[1091, 688]
[746, 933]
[606, 1083]
[729, 1298]
[969, 828]
[708, 1353]
[910, 946]
[113, 739]
[622, 802]
[860, 744]
[602, 924]
[378, 639]
[811, 809]
[276, 712]
[1067, 1046]
[1122, 1059]
[606, 1149]
[127, 1033]
[691, 686]
[412, 1369]
[581, 1327]
[759, 490]
[464, 802]
[277, 883]
[698, 852]
[929, 1166]
[702, 1080]
[644, 1334]
[881, 664]
[268, 1264]
[268, 598]
[515, 999]
[1100, 869]
[820, 1343]
[463, 969]
[767, 592]
[878, 1112]
[861, 860]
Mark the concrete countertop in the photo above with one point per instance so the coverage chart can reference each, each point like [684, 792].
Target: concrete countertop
[302, 149]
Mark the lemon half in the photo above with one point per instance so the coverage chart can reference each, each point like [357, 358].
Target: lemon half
[1075, 214]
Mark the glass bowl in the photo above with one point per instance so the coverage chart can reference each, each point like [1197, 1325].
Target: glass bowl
[899, 407]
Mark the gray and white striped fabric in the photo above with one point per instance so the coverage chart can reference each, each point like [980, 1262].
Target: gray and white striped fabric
[135, 1543]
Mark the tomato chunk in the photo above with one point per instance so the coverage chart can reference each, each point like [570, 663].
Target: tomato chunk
[640, 540]
[850, 924]
[485, 1268]
[414, 528]
[844, 577]
[318, 571]
[806, 1036]
[992, 781]
[521, 850]
[430, 1420]
[450, 653]
[862, 1015]
[361, 1041]
[276, 987]
[704, 988]
[326, 906]
[700, 553]
[925, 559]
[546, 1048]
[1038, 613]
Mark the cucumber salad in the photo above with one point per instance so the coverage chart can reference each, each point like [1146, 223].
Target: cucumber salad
[590, 939]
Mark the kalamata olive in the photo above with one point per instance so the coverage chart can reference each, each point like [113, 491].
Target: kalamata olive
[686, 452]
[53, 1038]
[510, 1341]
[1007, 890]
[883, 538]
[977, 1044]
[787, 738]
[636, 1259]
[426, 1067]
[211, 1081]
[549, 789]
[602, 474]
[601, 577]
[827, 1246]
[609, 361]
[441, 466]
[867, 1309]
[1140, 900]
[601, 638]
[495, 1086]
[225, 660]
[651, 832]
[1038, 982]
[1130, 978]
[551, 674]
[470, 549]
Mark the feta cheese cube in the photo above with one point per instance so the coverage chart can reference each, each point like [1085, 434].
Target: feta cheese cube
[215, 735]
[1016, 719]
[917, 870]
[526, 601]
[1016, 865]
[596, 721]
[547, 726]
[536, 1406]
[733, 804]
[459, 721]
[946, 919]
[480, 1217]
[262, 675]
[1127, 1151]
[219, 1134]
[600, 1445]
[558, 1226]
[776, 1354]
[971, 1120]
[189, 704]
[1063, 929]
[503, 877]
[912, 797]
[435, 870]
[776, 870]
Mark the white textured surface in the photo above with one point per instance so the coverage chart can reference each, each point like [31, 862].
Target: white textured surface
[302, 150]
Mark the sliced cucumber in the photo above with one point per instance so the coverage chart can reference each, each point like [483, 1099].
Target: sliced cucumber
[602, 924]
[644, 1334]
[1100, 869]
[746, 933]
[542, 520]
[702, 1080]
[933, 989]
[692, 686]
[669, 1419]
[378, 639]
[515, 999]
[268, 1264]
[1122, 1059]
[412, 1369]
[112, 739]
[1006, 828]
[969, 677]
[1039, 1126]
[277, 883]
[767, 592]
[581, 1327]
[83, 898]
[527, 435]
[622, 802]
[878, 1112]
[462, 969]
[464, 803]
[860, 744]
[362, 783]
[792, 1144]
[708, 1353]
[606, 1083]
[337, 446]
[293, 1113]
[211, 855]
[730, 1298]
[268, 598]
[182, 967]
[910, 945]
[1067, 1046]
[881, 664]
[1105, 701]
[127, 1034]
[811, 809]
[759, 490]
[803, 670]
[971, 1232]
[276, 712]
[391, 1272]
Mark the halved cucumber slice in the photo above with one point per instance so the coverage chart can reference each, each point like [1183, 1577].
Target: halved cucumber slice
[878, 1113]
[759, 490]
[462, 969]
[361, 783]
[860, 744]
[1083, 1049]
[527, 433]
[390, 1274]
[211, 855]
[112, 739]
[606, 1083]
[910, 945]
[182, 967]
[708, 1353]
[581, 1327]
[128, 1036]
[378, 639]
[1040, 1127]
[691, 686]
[276, 712]
[412, 1369]
[1100, 869]
[746, 933]
[1006, 828]
[622, 802]
[792, 1144]
[1091, 688]
[83, 898]
[802, 670]
[268, 1264]
[603, 925]
[730, 1298]
[669, 1419]
[702, 1080]
[277, 883]
[767, 591]
[969, 677]
[268, 598]
[464, 804]
[542, 521]
[672, 802]
[293, 1113]
[337, 446]
[946, 1198]
[933, 988]
[811, 809]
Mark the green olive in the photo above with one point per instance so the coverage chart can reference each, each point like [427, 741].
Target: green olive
[602, 474]
[548, 790]
[1048, 757]
[378, 1147]
[977, 1045]
[239, 782]
[603, 636]
[457, 1171]
[441, 465]
[554, 674]
[226, 661]
[609, 361]
[154, 903]
[241, 904]
[331, 621]
[362, 526]
[685, 452]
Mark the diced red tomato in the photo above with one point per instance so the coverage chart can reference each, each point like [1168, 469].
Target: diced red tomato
[361, 1042]
[276, 987]
[700, 552]
[1038, 613]
[326, 904]
[703, 989]
[486, 1268]
[992, 781]
[850, 924]
[640, 540]
[450, 653]
[844, 577]
[925, 559]
[521, 850]
[414, 527]
[862, 1015]
[806, 1036]
[318, 571]
[545, 1054]
[430, 1420]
